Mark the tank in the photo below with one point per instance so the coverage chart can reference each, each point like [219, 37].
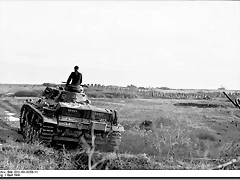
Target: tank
[65, 116]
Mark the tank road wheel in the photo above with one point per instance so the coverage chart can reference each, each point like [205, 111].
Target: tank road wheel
[28, 133]
[113, 141]
[22, 119]
[35, 134]
[25, 125]
[34, 127]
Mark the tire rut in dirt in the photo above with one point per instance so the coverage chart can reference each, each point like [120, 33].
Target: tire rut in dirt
[8, 107]
[12, 106]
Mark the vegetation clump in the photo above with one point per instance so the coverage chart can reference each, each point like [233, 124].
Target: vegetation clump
[24, 93]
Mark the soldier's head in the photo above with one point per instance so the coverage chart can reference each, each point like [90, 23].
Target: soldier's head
[76, 68]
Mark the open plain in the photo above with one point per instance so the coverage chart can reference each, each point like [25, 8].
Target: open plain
[184, 134]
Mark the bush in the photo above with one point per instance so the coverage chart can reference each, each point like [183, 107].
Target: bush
[128, 95]
[164, 88]
[204, 134]
[95, 95]
[49, 84]
[110, 94]
[34, 93]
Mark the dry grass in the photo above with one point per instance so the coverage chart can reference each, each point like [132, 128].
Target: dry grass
[12, 88]
[179, 133]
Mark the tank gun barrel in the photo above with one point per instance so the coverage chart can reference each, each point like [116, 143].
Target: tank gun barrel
[83, 85]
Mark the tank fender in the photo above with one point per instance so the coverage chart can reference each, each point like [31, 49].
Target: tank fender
[48, 120]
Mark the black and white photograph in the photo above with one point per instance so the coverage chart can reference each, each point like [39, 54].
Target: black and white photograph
[130, 88]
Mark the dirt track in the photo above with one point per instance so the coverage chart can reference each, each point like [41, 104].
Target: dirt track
[9, 129]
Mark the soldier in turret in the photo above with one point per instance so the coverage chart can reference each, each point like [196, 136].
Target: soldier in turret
[76, 80]
[75, 77]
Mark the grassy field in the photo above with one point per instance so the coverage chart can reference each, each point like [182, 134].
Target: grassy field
[186, 134]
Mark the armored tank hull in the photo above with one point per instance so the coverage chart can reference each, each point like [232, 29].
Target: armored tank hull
[63, 117]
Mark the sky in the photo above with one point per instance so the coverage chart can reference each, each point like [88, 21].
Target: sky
[176, 44]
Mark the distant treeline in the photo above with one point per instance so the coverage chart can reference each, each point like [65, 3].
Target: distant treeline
[25, 93]
[50, 84]
[129, 92]
[131, 86]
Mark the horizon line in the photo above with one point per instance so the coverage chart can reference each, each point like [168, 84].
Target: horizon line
[41, 84]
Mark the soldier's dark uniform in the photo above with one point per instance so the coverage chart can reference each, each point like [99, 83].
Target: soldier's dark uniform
[76, 78]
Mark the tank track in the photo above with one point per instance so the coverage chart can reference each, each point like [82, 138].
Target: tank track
[33, 127]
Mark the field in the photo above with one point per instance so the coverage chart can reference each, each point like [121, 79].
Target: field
[186, 134]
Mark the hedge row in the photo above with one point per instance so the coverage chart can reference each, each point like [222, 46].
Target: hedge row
[111, 95]
[92, 94]
[34, 93]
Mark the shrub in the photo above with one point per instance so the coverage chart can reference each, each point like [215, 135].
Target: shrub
[95, 95]
[164, 88]
[34, 93]
[128, 95]
[204, 134]
[49, 84]
[110, 94]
